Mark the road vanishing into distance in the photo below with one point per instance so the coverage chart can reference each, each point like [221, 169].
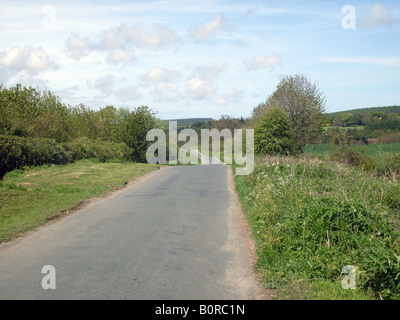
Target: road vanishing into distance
[178, 233]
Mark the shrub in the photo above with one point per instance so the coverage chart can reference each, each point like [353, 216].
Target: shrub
[273, 134]
[391, 137]
[85, 148]
[19, 152]
[349, 156]
[390, 166]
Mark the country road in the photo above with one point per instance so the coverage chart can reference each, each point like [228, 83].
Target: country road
[176, 234]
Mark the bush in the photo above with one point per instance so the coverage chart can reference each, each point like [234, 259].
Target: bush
[349, 156]
[85, 148]
[273, 135]
[390, 166]
[391, 137]
[19, 152]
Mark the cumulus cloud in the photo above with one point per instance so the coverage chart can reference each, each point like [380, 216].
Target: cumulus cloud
[200, 85]
[28, 59]
[165, 80]
[124, 35]
[211, 71]
[199, 89]
[119, 42]
[128, 93]
[157, 74]
[231, 95]
[77, 47]
[117, 56]
[208, 29]
[261, 62]
[379, 15]
[105, 84]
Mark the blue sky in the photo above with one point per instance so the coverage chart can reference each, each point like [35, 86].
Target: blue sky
[201, 58]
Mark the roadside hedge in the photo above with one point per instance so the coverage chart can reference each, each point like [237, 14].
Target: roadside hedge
[85, 148]
[19, 152]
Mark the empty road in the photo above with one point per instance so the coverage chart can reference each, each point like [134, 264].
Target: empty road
[176, 234]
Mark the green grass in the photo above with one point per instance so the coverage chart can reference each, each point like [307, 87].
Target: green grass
[312, 217]
[321, 290]
[376, 151]
[32, 197]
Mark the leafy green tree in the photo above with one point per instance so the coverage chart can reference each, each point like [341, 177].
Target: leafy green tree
[273, 134]
[18, 110]
[136, 126]
[304, 104]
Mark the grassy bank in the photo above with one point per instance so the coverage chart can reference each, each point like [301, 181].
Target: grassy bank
[311, 218]
[32, 197]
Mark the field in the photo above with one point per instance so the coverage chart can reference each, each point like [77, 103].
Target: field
[376, 151]
[32, 197]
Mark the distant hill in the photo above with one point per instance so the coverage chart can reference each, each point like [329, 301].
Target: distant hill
[387, 110]
[190, 121]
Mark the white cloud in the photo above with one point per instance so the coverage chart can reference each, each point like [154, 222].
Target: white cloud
[169, 86]
[166, 91]
[123, 36]
[208, 29]
[157, 74]
[199, 89]
[382, 61]
[232, 95]
[211, 71]
[105, 84]
[379, 15]
[117, 56]
[26, 59]
[77, 47]
[200, 85]
[261, 62]
[128, 93]
[165, 80]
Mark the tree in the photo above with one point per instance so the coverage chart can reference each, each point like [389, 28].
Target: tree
[136, 125]
[272, 133]
[304, 105]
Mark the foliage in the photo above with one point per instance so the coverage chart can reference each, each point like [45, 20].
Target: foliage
[304, 104]
[20, 152]
[84, 148]
[349, 156]
[33, 121]
[136, 126]
[312, 218]
[272, 133]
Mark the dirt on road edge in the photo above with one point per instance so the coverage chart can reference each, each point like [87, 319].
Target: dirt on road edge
[241, 272]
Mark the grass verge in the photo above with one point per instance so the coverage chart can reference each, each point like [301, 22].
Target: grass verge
[32, 197]
[311, 218]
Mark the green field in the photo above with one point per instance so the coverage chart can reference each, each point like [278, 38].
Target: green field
[32, 197]
[376, 151]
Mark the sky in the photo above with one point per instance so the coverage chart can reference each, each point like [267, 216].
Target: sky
[189, 59]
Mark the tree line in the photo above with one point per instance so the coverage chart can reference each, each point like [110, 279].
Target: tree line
[37, 128]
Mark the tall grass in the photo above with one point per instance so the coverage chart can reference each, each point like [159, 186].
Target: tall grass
[311, 218]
